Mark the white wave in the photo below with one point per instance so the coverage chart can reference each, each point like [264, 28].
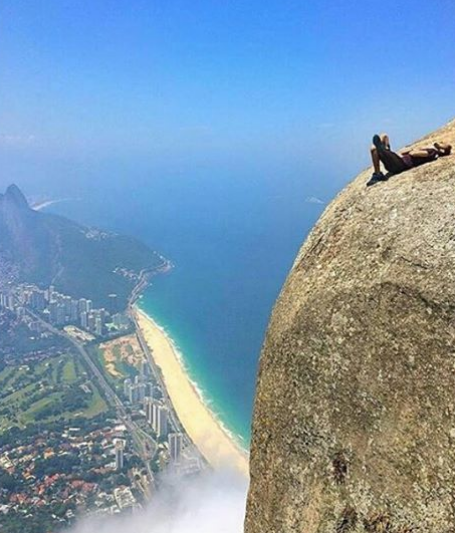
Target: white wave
[39, 206]
[203, 396]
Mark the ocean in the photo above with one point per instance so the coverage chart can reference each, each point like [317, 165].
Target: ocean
[232, 239]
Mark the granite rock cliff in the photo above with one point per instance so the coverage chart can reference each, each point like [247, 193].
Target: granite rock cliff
[354, 424]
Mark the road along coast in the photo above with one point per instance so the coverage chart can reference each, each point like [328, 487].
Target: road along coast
[200, 423]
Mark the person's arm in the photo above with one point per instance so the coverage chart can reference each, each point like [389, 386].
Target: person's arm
[421, 152]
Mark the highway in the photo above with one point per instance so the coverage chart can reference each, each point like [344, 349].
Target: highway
[138, 435]
[143, 281]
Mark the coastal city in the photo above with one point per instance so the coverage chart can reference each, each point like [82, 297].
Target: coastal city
[61, 310]
[87, 425]
[96, 405]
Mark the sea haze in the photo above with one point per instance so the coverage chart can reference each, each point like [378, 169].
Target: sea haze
[232, 237]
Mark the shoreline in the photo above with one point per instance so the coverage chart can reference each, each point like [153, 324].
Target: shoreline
[203, 427]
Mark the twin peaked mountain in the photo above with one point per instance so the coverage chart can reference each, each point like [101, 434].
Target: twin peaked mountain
[82, 262]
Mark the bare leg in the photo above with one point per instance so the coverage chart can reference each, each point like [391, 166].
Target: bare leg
[441, 148]
[375, 159]
[385, 139]
[419, 153]
[374, 152]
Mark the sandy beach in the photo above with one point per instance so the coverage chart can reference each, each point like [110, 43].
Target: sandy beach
[202, 426]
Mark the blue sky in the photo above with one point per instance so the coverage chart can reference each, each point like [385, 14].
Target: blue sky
[262, 84]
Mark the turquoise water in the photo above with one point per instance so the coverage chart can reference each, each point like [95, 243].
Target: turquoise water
[233, 240]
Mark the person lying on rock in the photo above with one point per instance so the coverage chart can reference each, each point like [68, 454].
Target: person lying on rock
[395, 163]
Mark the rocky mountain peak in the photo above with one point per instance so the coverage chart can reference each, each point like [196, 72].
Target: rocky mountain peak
[13, 198]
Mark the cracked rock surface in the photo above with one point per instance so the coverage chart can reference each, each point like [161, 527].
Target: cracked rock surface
[354, 424]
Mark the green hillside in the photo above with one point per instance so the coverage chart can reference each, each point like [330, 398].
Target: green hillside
[82, 262]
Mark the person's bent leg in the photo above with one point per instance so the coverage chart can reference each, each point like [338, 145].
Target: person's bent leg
[375, 159]
[385, 140]
[393, 162]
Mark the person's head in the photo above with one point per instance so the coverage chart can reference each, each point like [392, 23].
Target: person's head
[443, 149]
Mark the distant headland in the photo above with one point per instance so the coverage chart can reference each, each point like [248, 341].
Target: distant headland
[50, 250]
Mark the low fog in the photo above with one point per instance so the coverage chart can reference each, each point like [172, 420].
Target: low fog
[210, 503]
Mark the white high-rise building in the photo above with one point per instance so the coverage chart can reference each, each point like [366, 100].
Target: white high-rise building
[175, 442]
[99, 326]
[74, 311]
[84, 320]
[160, 419]
[148, 407]
[83, 305]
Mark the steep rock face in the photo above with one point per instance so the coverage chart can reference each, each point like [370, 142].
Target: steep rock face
[24, 240]
[354, 425]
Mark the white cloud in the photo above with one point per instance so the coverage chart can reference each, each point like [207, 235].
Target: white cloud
[314, 200]
[16, 140]
[211, 503]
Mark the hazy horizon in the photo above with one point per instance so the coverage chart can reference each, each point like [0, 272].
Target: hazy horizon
[141, 90]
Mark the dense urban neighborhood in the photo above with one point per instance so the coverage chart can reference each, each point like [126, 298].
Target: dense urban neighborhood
[86, 426]
[86, 423]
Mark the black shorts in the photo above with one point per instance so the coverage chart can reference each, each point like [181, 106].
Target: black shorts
[393, 162]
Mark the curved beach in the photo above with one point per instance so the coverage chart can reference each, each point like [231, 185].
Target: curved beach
[200, 423]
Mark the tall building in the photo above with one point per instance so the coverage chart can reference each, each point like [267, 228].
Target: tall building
[98, 326]
[175, 442]
[144, 369]
[113, 304]
[150, 389]
[84, 320]
[152, 407]
[119, 447]
[126, 387]
[51, 293]
[61, 315]
[148, 406]
[83, 306]
[66, 302]
[141, 390]
[37, 301]
[91, 321]
[10, 303]
[3, 300]
[74, 311]
[53, 306]
[160, 419]
[133, 395]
